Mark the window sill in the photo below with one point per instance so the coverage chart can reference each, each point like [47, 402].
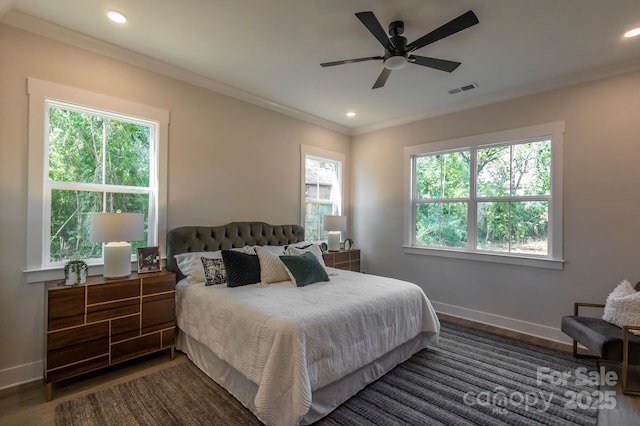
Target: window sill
[534, 262]
[35, 276]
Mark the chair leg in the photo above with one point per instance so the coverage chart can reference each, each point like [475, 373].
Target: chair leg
[625, 362]
[575, 348]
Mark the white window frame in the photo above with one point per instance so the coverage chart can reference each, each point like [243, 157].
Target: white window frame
[554, 259]
[41, 95]
[306, 150]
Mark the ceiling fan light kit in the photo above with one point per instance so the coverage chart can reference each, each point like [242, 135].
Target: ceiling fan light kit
[398, 53]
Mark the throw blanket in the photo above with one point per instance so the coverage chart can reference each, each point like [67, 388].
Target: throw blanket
[292, 340]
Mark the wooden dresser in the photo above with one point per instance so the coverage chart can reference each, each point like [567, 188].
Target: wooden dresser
[343, 259]
[104, 322]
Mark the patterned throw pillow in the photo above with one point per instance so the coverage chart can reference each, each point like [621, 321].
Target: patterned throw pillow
[272, 269]
[242, 269]
[214, 272]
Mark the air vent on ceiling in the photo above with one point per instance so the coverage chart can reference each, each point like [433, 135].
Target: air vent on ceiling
[464, 88]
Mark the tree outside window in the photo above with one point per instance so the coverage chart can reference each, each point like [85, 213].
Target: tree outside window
[97, 162]
[502, 206]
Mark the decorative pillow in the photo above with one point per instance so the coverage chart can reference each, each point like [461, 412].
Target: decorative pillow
[191, 266]
[272, 269]
[214, 271]
[300, 245]
[279, 250]
[304, 269]
[242, 268]
[313, 248]
[623, 306]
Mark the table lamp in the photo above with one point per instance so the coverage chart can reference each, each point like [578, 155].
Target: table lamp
[334, 225]
[117, 229]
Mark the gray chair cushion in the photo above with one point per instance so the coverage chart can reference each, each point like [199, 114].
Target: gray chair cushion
[600, 337]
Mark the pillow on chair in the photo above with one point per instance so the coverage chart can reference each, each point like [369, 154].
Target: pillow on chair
[623, 306]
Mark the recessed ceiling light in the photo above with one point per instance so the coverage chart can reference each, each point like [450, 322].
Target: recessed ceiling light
[116, 16]
[351, 114]
[632, 33]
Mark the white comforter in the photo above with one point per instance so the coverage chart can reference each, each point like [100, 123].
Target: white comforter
[291, 341]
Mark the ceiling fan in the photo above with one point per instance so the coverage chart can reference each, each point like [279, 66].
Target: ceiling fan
[397, 53]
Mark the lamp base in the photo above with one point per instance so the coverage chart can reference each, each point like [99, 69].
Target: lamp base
[117, 260]
[333, 240]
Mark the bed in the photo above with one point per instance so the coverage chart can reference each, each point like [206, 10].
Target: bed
[292, 354]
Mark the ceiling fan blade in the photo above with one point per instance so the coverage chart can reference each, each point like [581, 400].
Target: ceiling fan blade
[373, 25]
[382, 78]
[460, 23]
[350, 61]
[439, 64]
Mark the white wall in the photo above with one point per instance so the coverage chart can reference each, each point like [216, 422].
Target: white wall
[228, 160]
[601, 205]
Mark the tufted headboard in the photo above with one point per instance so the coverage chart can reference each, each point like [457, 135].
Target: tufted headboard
[234, 234]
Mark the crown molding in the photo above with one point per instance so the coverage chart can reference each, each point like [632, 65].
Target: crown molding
[516, 92]
[47, 29]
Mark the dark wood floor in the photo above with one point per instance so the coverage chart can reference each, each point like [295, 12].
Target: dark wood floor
[26, 404]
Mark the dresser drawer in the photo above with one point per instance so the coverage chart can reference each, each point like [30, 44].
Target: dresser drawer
[76, 335]
[158, 284]
[65, 307]
[112, 291]
[112, 310]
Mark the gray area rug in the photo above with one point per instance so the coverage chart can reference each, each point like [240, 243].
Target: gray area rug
[470, 378]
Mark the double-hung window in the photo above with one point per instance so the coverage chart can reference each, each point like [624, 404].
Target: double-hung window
[90, 153]
[321, 189]
[495, 197]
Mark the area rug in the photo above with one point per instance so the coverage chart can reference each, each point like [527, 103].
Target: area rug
[469, 378]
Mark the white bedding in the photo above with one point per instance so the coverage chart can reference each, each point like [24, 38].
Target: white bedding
[292, 340]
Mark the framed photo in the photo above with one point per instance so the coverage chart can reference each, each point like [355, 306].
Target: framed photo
[148, 259]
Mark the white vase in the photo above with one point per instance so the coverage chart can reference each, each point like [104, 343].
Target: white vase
[72, 276]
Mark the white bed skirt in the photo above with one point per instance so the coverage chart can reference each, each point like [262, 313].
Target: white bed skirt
[324, 400]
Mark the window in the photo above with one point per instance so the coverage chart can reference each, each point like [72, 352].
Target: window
[493, 197]
[321, 189]
[90, 153]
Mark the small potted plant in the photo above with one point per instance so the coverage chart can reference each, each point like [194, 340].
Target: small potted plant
[348, 244]
[75, 272]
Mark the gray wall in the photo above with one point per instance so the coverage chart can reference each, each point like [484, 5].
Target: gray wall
[228, 160]
[601, 204]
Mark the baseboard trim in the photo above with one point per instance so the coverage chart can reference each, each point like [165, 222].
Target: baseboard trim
[31, 372]
[554, 336]
[21, 374]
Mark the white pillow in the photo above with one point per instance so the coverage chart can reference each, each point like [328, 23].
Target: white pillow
[301, 244]
[313, 248]
[190, 263]
[272, 270]
[623, 306]
[279, 250]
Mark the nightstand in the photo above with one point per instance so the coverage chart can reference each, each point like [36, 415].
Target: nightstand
[343, 259]
[106, 321]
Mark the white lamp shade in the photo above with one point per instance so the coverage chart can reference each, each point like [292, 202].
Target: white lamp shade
[116, 229]
[334, 223]
[110, 227]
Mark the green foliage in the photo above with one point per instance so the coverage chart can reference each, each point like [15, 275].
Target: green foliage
[87, 151]
[518, 170]
[313, 220]
[443, 175]
[442, 224]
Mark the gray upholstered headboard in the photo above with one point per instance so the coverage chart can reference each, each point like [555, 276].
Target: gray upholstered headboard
[234, 234]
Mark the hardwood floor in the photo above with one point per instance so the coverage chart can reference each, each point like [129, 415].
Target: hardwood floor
[26, 404]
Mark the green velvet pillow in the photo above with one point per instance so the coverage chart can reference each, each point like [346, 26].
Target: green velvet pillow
[304, 269]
